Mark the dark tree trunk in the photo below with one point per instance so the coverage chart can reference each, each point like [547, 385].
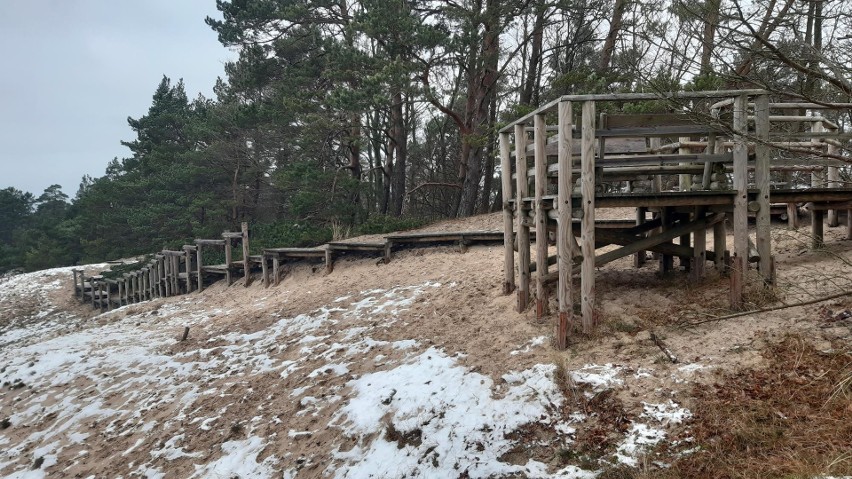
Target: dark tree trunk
[399, 139]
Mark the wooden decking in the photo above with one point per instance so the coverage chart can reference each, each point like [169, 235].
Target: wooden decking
[173, 272]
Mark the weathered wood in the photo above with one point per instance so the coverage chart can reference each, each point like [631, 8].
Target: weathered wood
[539, 140]
[720, 239]
[199, 264]
[329, 261]
[740, 218]
[506, 184]
[523, 232]
[666, 261]
[210, 242]
[761, 176]
[228, 256]
[564, 236]
[817, 232]
[738, 265]
[699, 255]
[641, 213]
[276, 273]
[587, 237]
[246, 266]
[833, 182]
[264, 265]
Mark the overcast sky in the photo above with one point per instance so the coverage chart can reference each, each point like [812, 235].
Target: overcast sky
[73, 71]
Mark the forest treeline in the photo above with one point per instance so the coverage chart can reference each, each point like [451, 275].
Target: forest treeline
[347, 116]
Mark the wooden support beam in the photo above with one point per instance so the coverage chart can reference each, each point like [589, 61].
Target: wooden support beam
[246, 265]
[199, 263]
[276, 274]
[720, 245]
[540, 140]
[641, 220]
[565, 241]
[740, 126]
[699, 255]
[587, 233]
[329, 260]
[506, 184]
[264, 265]
[833, 182]
[761, 176]
[228, 257]
[523, 231]
[817, 233]
[666, 220]
[189, 254]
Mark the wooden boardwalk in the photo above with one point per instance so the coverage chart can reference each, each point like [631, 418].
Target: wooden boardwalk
[174, 272]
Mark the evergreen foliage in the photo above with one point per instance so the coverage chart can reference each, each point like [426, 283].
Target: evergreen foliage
[367, 116]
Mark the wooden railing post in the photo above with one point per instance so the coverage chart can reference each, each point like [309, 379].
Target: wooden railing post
[587, 226]
[564, 234]
[740, 259]
[523, 231]
[540, 143]
[506, 182]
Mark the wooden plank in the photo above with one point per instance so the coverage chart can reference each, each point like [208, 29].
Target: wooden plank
[740, 218]
[296, 252]
[636, 120]
[199, 264]
[564, 236]
[587, 236]
[210, 242]
[232, 235]
[506, 184]
[539, 140]
[761, 176]
[365, 246]
[523, 232]
[658, 131]
[668, 235]
[246, 260]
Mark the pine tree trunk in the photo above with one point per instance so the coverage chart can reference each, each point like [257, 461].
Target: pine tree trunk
[399, 137]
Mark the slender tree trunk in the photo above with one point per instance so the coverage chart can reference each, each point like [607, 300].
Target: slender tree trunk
[708, 40]
[529, 93]
[399, 138]
[614, 28]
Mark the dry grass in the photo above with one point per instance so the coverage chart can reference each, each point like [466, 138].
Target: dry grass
[785, 421]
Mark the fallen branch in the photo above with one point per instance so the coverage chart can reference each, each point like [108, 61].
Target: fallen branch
[660, 344]
[774, 308]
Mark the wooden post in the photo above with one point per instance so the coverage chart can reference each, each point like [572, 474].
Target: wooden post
[187, 250]
[740, 263]
[143, 284]
[639, 257]
[833, 182]
[199, 265]
[82, 285]
[699, 251]
[265, 269]
[523, 231]
[228, 260]
[246, 263]
[587, 223]
[540, 142]
[508, 236]
[684, 181]
[275, 270]
[761, 176]
[329, 260]
[817, 217]
[74, 272]
[720, 238]
[564, 233]
[175, 274]
[666, 261]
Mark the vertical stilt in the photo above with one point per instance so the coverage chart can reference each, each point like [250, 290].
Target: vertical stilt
[228, 260]
[761, 177]
[541, 250]
[506, 183]
[666, 218]
[587, 228]
[523, 231]
[275, 269]
[740, 262]
[199, 264]
[817, 218]
[639, 257]
[564, 233]
[246, 261]
[265, 267]
[699, 250]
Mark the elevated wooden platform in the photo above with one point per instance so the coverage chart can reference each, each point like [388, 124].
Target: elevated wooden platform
[712, 157]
